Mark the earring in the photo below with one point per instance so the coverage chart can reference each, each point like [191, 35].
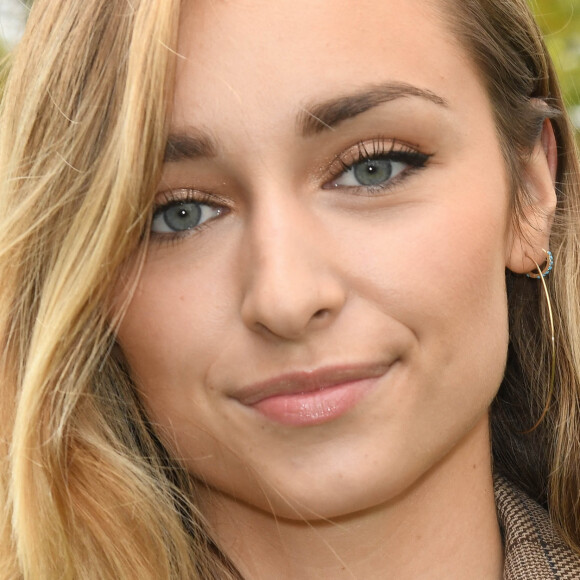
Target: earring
[542, 274]
[549, 266]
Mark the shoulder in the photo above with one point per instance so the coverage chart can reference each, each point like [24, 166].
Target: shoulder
[533, 548]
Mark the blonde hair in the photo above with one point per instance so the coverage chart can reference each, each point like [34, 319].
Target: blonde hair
[87, 489]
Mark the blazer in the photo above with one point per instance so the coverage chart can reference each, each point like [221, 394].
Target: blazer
[533, 549]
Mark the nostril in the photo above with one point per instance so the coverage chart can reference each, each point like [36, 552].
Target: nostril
[321, 314]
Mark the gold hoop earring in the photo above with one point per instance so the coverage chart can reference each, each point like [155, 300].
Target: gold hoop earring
[548, 267]
[541, 275]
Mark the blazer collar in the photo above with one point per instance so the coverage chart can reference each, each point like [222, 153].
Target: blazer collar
[533, 548]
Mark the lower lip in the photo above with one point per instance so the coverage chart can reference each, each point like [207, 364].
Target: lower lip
[315, 407]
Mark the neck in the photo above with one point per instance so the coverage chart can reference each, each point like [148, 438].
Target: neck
[443, 526]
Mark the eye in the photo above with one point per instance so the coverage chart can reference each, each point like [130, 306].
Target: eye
[375, 165]
[370, 173]
[182, 215]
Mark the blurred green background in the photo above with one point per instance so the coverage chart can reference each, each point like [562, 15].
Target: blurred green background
[558, 19]
[560, 23]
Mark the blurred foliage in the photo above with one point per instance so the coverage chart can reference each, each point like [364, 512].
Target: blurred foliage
[560, 23]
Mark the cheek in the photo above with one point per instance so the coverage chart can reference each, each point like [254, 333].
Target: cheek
[438, 268]
[176, 318]
[169, 338]
[439, 254]
[464, 321]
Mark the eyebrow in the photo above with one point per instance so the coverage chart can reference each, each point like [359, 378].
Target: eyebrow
[188, 145]
[312, 119]
[318, 117]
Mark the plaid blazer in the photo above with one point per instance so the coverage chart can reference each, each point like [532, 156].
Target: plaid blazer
[533, 549]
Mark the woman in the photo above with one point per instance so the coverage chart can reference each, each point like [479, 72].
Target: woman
[264, 303]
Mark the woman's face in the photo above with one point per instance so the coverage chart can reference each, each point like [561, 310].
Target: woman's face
[334, 324]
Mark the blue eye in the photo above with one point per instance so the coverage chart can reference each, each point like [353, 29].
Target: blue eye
[182, 216]
[376, 165]
[370, 173]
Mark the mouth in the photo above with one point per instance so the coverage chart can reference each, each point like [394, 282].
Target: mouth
[311, 397]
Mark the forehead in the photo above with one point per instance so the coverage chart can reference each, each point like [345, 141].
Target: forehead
[260, 58]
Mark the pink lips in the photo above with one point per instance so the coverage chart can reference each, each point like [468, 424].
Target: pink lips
[311, 397]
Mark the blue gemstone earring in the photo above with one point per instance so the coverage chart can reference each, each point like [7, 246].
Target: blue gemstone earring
[549, 266]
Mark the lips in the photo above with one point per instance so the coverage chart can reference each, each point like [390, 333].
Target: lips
[311, 397]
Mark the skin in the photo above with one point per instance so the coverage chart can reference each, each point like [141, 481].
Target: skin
[296, 275]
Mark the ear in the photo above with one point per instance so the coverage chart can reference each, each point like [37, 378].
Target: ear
[530, 232]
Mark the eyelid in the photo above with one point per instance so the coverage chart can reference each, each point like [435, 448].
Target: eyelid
[182, 194]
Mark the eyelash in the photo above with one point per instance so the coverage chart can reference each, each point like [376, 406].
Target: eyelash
[378, 148]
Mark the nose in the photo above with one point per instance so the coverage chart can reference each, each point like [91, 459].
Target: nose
[292, 284]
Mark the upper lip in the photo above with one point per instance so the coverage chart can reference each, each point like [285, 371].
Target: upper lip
[307, 381]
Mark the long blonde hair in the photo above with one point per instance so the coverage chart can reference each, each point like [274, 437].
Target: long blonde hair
[86, 489]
